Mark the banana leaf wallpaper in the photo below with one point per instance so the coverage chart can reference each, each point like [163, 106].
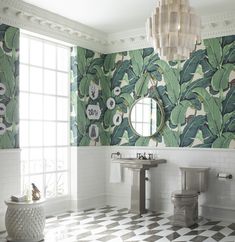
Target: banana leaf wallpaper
[198, 96]
[9, 87]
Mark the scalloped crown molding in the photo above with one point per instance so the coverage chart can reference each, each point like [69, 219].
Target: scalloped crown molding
[26, 16]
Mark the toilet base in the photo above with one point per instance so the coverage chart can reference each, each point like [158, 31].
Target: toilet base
[183, 219]
[185, 211]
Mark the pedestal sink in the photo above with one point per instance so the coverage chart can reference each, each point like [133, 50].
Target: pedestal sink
[138, 168]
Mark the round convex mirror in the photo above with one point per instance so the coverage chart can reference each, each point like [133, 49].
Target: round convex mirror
[146, 117]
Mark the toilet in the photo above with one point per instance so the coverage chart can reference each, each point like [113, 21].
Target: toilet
[185, 201]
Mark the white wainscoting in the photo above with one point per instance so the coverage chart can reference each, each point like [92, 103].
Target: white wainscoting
[217, 203]
[93, 188]
[90, 185]
[9, 179]
[89, 190]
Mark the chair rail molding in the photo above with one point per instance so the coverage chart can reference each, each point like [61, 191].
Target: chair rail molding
[29, 17]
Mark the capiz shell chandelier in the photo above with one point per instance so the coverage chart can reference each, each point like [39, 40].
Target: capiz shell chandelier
[174, 29]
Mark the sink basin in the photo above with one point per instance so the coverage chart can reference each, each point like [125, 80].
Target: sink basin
[137, 163]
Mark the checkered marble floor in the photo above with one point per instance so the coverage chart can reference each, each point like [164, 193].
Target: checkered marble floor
[114, 225]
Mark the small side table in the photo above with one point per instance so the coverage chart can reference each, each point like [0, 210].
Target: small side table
[25, 221]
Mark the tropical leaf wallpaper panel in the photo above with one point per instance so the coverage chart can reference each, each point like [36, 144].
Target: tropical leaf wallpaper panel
[198, 96]
[9, 87]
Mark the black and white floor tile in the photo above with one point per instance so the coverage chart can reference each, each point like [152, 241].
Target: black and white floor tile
[117, 225]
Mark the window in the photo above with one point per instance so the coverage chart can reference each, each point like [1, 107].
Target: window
[44, 115]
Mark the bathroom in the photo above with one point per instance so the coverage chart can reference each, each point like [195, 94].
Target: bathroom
[121, 72]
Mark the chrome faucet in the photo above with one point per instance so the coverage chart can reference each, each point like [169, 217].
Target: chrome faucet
[150, 156]
[143, 156]
[117, 154]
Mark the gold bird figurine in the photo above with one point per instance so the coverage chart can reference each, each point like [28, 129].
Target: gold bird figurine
[35, 193]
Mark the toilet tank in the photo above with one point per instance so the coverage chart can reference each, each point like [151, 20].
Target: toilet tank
[194, 178]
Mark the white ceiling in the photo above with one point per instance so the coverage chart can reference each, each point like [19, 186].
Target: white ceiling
[112, 16]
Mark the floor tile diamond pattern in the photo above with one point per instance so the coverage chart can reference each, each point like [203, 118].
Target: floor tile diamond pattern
[109, 224]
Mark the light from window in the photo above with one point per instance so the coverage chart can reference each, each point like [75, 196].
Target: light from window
[44, 115]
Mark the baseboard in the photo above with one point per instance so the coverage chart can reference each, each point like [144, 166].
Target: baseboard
[161, 204]
[53, 207]
[121, 201]
[73, 205]
[2, 222]
[89, 202]
[217, 212]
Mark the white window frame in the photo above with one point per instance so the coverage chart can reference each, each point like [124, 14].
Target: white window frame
[44, 172]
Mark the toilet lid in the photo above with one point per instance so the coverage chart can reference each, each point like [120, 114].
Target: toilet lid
[185, 193]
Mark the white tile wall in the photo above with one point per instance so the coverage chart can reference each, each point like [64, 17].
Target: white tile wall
[9, 178]
[218, 201]
[90, 188]
[73, 176]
